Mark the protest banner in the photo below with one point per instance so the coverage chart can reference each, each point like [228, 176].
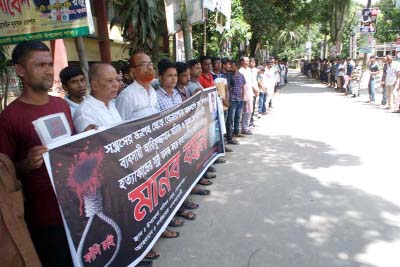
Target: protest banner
[118, 188]
[24, 20]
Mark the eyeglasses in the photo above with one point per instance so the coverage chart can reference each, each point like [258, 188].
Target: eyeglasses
[144, 64]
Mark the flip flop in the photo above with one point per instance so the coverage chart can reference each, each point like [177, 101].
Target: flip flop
[188, 215]
[211, 169]
[152, 255]
[209, 175]
[205, 182]
[170, 236]
[201, 192]
[175, 222]
[189, 205]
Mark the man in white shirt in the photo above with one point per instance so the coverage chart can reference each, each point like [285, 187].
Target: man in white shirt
[269, 82]
[390, 80]
[139, 99]
[98, 109]
[74, 83]
[247, 95]
[254, 83]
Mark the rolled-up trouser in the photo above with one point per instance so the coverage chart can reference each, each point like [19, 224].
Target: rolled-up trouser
[245, 121]
[391, 95]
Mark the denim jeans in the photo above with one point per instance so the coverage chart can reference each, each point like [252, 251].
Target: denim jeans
[384, 96]
[233, 121]
[371, 90]
[261, 103]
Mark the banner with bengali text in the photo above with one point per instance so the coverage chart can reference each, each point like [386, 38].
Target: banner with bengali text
[118, 188]
[24, 20]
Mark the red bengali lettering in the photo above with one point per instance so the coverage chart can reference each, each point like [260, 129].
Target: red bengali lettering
[12, 7]
[195, 146]
[147, 193]
[93, 252]
[108, 242]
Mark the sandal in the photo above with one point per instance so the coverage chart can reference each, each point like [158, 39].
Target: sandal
[209, 175]
[211, 169]
[221, 160]
[170, 234]
[152, 255]
[187, 214]
[205, 182]
[175, 222]
[189, 205]
[200, 192]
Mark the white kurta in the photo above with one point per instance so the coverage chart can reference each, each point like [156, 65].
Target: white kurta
[94, 111]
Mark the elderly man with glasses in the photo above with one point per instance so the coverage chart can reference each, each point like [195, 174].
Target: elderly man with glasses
[139, 99]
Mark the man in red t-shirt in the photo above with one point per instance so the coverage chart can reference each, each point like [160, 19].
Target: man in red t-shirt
[19, 141]
[206, 79]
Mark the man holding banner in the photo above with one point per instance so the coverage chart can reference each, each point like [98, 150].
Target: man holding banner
[19, 141]
[139, 99]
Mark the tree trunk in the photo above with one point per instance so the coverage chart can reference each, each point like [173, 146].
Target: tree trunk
[186, 32]
[80, 49]
[255, 38]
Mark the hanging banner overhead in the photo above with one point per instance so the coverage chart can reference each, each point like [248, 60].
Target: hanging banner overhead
[173, 13]
[24, 20]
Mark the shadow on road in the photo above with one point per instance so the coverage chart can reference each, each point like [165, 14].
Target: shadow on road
[277, 216]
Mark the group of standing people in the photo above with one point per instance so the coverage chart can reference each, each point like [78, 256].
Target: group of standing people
[39, 238]
[345, 76]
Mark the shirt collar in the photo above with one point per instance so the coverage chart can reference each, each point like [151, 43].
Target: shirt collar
[138, 85]
[174, 92]
[97, 102]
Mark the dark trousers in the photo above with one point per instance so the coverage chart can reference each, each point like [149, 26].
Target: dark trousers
[51, 246]
[254, 109]
[233, 122]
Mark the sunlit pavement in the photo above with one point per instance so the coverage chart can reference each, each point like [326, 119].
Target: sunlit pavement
[316, 185]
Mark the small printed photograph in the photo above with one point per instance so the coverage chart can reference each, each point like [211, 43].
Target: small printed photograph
[55, 127]
[52, 128]
[212, 100]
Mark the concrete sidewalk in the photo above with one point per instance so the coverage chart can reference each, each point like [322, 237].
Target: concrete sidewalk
[315, 186]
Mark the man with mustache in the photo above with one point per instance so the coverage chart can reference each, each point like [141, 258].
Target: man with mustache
[19, 141]
[139, 99]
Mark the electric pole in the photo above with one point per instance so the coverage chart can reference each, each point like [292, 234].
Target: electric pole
[366, 54]
[186, 31]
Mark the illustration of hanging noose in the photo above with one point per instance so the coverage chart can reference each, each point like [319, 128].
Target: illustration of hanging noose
[84, 179]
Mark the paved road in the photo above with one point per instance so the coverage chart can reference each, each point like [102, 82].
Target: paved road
[316, 186]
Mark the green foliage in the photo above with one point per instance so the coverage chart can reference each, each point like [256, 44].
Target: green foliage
[141, 22]
[4, 76]
[388, 22]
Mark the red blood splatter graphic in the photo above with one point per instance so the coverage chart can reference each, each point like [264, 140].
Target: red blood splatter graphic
[84, 174]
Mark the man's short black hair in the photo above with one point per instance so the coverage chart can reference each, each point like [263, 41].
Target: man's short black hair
[181, 67]
[125, 67]
[165, 64]
[225, 60]
[69, 72]
[23, 49]
[215, 59]
[204, 58]
[193, 62]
